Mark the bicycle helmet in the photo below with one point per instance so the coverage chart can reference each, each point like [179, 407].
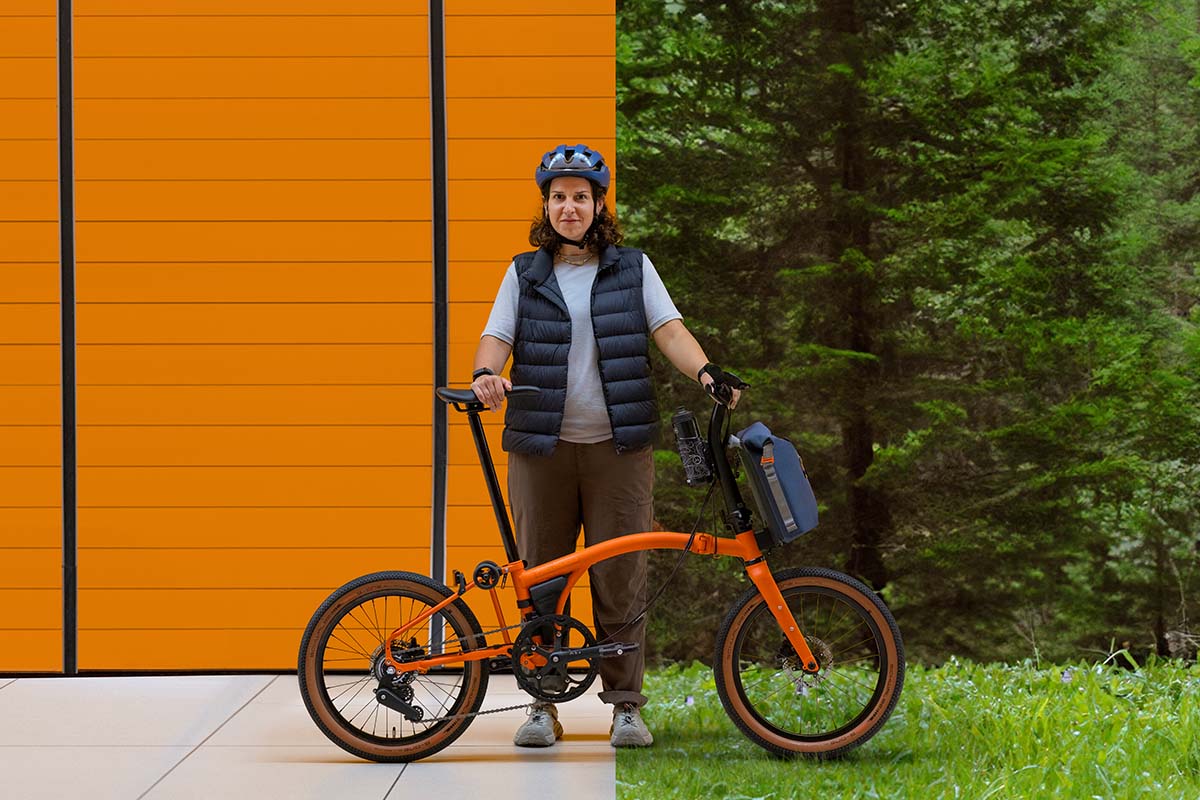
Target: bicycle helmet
[579, 161]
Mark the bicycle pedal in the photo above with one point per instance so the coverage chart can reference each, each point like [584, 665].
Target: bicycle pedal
[616, 649]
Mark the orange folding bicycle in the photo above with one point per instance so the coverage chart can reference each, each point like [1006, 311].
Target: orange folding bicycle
[394, 666]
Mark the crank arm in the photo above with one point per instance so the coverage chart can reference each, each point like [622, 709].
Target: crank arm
[611, 650]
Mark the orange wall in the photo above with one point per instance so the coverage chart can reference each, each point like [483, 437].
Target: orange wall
[518, 82]
[255, 304]
[31, 609]
[254, 319]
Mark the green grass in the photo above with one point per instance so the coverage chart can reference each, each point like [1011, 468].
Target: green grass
[961, 730]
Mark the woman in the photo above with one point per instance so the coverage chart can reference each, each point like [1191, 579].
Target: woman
[576, 314]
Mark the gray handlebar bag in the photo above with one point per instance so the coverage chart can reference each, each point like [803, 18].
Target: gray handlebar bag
[779, 483]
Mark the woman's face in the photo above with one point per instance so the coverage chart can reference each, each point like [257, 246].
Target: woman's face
[571, 207]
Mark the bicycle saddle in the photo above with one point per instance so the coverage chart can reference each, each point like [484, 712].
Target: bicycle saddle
[467, 398]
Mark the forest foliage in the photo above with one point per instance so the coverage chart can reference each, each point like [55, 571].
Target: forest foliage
[952, 245]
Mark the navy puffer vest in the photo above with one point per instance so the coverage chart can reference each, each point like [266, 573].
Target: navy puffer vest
[532, 424]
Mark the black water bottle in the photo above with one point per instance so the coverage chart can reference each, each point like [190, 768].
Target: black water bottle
[697, 462]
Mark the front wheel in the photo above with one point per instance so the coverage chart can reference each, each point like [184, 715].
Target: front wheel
[860, 661]
[342, 664]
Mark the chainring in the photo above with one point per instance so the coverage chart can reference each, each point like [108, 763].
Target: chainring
[541, 670]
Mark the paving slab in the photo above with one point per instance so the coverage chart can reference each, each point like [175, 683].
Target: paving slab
[236, 736]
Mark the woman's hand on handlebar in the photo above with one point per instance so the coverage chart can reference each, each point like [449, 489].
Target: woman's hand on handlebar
[723, 387]
[490, 390]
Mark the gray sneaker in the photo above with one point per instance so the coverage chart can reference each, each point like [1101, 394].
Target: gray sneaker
[628, 729]
[541, 729]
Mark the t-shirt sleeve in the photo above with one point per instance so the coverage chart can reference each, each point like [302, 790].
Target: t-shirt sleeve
[502, 323]
[659, 308]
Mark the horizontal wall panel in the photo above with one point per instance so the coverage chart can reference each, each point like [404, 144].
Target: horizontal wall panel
[253, 77]
[23, 242]
[254, 527]
[29, 487]
[395, 282]
[248, 200]
[39, 8]
[267, 649]
[514, 159]
[476, 281]
[277, 159]
[464, 200]
[29, 283]
[487, 241]
[27, 161]
[32, 446]
[288, 118]
[462, 451]
[185, 8]
[467, 321]
[242, 568]
[24, 118]
[301, 36]
[22, 365]
[462, 357]
[199, 609]
[258, 323]
[22, 324]
[32, 651]
[474, 526]
[522, 77]
[31, 568]
[30, 610]
[253, 405]
[31, 527]
[245, 241]
[28, 201]
[396, 445]
[554, 34]
[27, 78]
[115, 487]
[32, 405]
[579, 8]
[508, 118]
[27, 36]
[255, 364]
[466, 487]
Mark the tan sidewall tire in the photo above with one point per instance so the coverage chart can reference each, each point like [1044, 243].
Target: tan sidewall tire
[328, 719]
[768, 738]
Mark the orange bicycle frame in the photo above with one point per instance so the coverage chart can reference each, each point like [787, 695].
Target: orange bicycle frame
[743, 545]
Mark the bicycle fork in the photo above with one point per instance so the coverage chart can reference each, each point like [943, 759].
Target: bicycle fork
[760, 574]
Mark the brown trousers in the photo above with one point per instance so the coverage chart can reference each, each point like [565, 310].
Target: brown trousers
[610, 495]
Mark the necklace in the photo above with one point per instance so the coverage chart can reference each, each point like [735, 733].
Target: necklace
[585, 256]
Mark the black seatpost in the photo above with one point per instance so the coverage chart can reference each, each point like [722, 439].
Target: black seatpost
[493, 484]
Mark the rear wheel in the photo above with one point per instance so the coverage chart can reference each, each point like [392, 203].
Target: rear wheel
[342, 662]
[860, 660]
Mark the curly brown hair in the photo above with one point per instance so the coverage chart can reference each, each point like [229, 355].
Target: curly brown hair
[606, 231]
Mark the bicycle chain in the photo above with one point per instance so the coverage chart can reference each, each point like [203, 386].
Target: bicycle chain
[483, 635]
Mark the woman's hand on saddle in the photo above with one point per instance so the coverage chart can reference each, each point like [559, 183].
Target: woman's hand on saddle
[490, 390]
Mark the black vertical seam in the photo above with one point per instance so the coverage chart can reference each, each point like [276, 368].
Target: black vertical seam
[66, 227]
[441, 308]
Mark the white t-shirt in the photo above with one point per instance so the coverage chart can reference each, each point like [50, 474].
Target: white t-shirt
[585, 419]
